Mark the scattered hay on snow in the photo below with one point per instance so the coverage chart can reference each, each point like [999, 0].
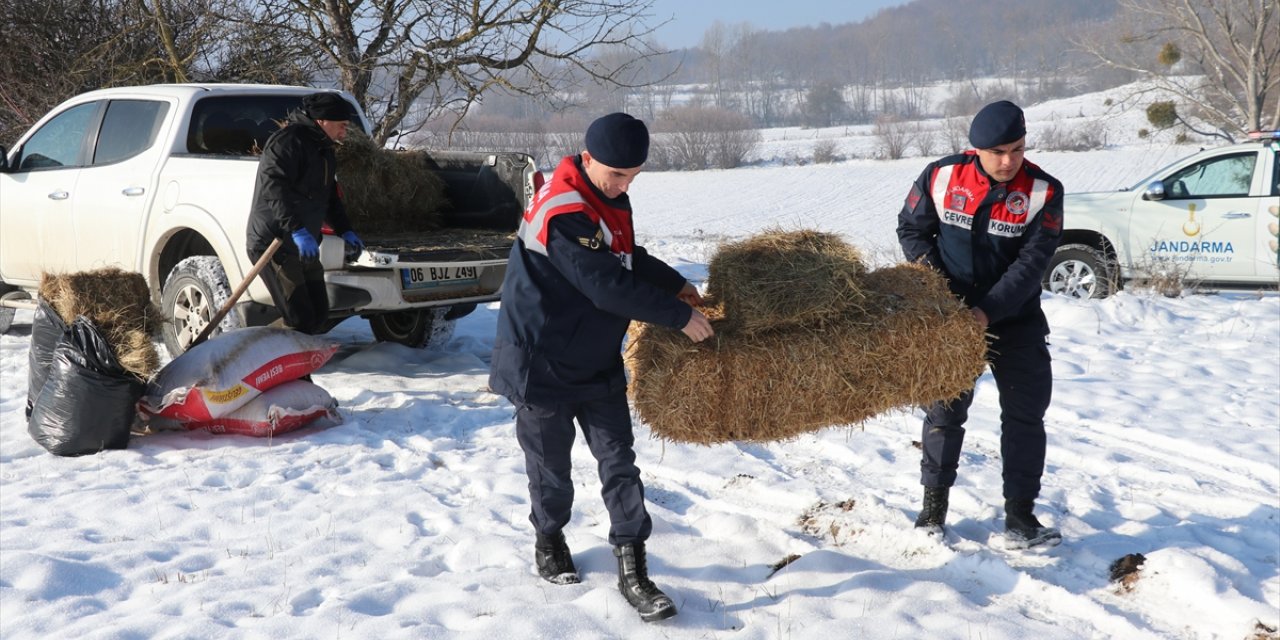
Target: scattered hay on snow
[908, 342]
[119, 304]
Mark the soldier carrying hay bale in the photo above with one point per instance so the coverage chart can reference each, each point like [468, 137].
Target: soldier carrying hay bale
[576, 280]
[990, 221]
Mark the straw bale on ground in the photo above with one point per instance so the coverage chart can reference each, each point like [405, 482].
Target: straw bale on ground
[387, 191]
[910, 343]
[779, 279]
[119, 304]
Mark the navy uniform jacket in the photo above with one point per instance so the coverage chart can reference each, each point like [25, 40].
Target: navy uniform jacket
[569, 295]
[992, 241]
[296, 188]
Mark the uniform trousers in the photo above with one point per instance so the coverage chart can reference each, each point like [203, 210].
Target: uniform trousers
[1024, 379]
[546, 433]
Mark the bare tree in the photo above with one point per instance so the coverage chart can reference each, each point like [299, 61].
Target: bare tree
[893, 136]
[407, 61]
[692, 138]
[57, 48]
[1221, 59]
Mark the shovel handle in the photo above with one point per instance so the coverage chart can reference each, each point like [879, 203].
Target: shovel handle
[235, 295]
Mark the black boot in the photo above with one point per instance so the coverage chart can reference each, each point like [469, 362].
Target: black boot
[634, 583]
[555, 563]
[1022, 530]
[934, 512]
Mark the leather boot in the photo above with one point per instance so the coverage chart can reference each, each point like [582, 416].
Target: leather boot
[634, 583]
[933, 513]
[555, 563]
[1022, 529]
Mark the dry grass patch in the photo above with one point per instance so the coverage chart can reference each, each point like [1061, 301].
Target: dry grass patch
[119, 304]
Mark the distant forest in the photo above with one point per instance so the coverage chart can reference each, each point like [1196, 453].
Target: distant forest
[854, 73]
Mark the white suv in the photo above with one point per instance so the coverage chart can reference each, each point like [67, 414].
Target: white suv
[1210, 220]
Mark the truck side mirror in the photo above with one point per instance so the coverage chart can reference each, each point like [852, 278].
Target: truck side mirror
[1155, 191]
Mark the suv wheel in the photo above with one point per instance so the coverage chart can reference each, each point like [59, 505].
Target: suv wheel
[1080, 271]
[192, 294]
[416, 328]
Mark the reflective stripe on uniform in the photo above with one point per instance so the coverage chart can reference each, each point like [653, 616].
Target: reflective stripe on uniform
[533, 228]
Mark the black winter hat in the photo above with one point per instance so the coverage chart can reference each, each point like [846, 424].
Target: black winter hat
[996, 124]
[326, 105]
[619, 141]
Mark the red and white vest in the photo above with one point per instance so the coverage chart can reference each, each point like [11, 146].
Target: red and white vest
[569, 191]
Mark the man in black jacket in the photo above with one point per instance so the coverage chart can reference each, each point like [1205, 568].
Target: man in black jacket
[574, 282]
[990, 221]
[295, 194]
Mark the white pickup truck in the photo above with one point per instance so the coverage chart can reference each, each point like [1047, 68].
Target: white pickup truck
[159, 180]
[1209, 220]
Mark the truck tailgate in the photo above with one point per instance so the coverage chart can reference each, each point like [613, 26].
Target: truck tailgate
[443, 245]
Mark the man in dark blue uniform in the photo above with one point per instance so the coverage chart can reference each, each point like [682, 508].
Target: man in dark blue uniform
[575, 281]
[990, 221]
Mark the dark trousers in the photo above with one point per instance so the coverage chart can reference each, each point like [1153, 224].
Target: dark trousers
[1024, 379]
[546, 434]
[298, 291]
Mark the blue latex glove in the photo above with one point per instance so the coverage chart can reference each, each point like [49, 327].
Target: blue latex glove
[307, 247]
[354, 240]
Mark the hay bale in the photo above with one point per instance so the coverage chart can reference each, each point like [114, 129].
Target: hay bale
[119, 304]
[912, 343]
[388, 191]
[780, 279]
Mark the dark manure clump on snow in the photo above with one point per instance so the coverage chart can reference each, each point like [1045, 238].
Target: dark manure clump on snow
[898, 339]
[388, 191]
[119, 304]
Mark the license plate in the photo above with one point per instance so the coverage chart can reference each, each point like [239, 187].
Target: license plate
[426, 277]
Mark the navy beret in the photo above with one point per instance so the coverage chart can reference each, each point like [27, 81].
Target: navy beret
[619, 141]
[326, 105]
[996, 124]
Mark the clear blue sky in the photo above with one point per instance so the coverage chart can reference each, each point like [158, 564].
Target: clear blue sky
[690, 18]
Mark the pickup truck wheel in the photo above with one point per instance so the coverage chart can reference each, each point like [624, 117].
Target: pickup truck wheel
[192, 294]
[416, 328]
[7, 313]
[1080, 271]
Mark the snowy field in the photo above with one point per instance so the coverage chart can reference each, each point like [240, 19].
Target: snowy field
[409, 520]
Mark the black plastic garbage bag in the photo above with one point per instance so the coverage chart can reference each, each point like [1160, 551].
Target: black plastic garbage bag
[47, 328]
[88, 401]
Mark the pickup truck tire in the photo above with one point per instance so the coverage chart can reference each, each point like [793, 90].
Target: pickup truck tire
[1080, 271]
[7, 313]
[416, 328]
[6, 318]
[194, 291]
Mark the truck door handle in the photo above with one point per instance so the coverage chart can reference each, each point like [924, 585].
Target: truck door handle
[1236, 215]
[59, 195]
[133, 191]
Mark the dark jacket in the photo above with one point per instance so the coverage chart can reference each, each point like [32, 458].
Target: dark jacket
[993, 241]
[297, 187]
[564, 312]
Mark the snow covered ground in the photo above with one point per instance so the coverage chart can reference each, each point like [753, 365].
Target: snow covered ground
[410, 519]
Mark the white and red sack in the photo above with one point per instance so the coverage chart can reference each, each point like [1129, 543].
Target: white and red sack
[278, 410]
[228, 371]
